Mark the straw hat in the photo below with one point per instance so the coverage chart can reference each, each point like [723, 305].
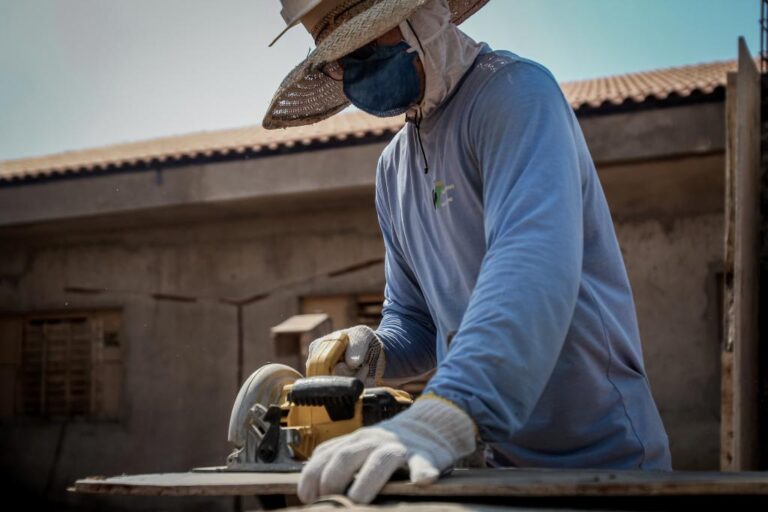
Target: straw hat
[308, 95]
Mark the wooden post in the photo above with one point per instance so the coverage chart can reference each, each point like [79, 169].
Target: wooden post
[739, 448]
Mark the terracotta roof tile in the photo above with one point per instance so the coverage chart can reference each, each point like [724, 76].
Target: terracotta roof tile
[658, 84]
[585, 94]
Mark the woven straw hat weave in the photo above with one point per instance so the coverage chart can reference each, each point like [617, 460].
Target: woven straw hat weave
[307, 95]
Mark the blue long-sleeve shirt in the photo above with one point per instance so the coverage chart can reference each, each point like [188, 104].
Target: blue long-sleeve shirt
[506, 248]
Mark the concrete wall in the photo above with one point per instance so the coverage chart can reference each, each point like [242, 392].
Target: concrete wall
[669, 220]
[673, 269]
[181, 357]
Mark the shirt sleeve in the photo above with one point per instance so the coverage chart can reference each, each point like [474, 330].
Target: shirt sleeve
[521, 135]
[406, 329]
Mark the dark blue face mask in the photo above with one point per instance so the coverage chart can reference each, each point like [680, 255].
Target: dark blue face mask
[384, 82]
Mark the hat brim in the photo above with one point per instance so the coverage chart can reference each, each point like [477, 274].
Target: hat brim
[307, 95]
[295, 20]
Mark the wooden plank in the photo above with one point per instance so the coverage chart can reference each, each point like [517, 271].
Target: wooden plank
[739, 375]
[465, 483]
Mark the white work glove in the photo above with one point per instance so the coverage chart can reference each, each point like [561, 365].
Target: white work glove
[426, 438]
[364, 357]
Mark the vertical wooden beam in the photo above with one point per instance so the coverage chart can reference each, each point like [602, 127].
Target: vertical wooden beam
[739, 448]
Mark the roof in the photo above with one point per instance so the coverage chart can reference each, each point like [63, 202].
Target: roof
[222, 143]
[659, 84]
[593, 95]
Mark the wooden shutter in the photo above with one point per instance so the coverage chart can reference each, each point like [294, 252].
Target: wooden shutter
[71, 365]
[57, 367]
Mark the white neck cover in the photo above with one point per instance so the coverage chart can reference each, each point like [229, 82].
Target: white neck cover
[447, 52]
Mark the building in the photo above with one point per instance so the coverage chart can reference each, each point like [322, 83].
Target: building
[139, 281]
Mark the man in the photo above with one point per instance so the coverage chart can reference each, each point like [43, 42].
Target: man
[502, 265]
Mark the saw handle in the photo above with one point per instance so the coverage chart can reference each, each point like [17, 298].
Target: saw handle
[327, 352]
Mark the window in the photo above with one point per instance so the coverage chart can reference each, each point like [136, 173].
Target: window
[67, 365]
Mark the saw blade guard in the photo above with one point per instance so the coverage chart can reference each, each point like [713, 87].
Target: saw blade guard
[264, 387]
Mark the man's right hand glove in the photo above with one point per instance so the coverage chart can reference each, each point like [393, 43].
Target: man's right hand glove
[364, 356]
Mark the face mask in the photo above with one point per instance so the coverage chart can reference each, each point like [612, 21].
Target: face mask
[385, 83]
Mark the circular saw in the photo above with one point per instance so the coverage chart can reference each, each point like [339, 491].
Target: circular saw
[279, 417]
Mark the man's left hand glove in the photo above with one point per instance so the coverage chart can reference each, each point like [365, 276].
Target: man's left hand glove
[427, 438]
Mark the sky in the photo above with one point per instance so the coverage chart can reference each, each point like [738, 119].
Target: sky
[78, 74]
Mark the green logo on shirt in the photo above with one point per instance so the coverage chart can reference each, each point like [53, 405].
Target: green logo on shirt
[440, 194]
